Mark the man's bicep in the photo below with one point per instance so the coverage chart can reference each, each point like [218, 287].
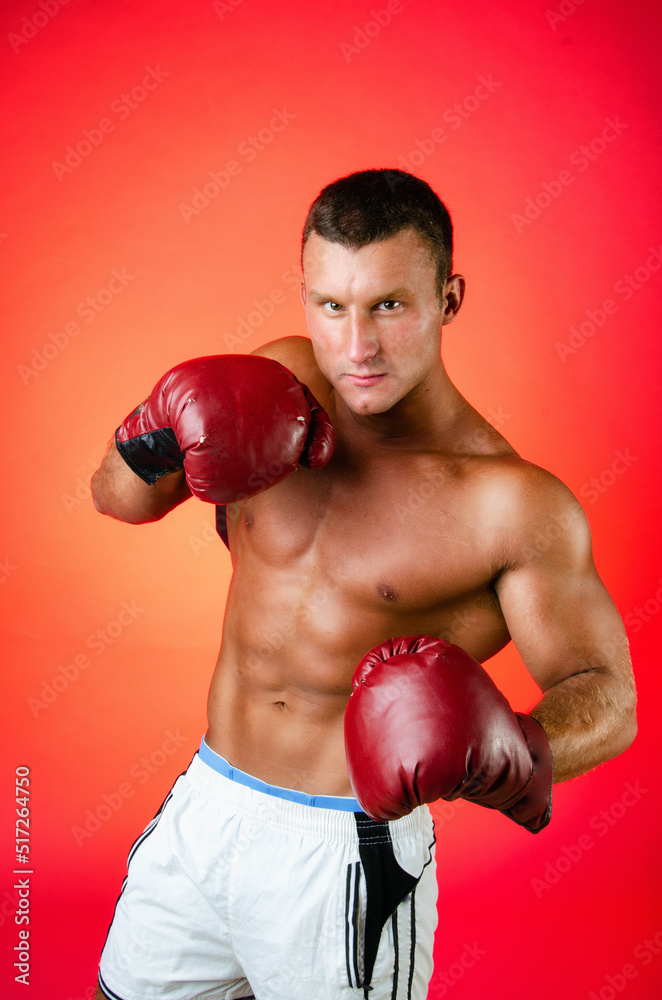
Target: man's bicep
[558, 611]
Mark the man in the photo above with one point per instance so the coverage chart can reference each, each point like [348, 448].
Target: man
[262, 874]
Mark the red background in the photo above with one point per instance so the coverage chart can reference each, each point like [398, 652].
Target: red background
[358, 94]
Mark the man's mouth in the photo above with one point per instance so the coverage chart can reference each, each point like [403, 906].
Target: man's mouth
[364, 379]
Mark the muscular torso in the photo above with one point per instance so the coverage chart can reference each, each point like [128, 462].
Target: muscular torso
[386, 540]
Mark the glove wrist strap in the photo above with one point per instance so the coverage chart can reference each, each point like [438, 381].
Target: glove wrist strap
[533, 810]
[152, 454]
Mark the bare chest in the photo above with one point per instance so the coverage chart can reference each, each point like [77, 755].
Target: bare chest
[407, 535]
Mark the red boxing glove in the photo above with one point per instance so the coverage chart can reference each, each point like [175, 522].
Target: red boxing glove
[235, 423]
[425, 722]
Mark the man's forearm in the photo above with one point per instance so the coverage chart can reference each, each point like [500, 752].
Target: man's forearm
[589, 718]
[119, 492]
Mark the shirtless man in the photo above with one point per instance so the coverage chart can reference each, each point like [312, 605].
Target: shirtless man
[329, 561]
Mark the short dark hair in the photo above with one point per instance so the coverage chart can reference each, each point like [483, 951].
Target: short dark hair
[372, 205]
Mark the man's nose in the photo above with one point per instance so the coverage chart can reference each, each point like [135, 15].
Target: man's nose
[361, 343]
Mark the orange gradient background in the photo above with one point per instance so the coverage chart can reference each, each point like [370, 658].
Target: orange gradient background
[180, 90]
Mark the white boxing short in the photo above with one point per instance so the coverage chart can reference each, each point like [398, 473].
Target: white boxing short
[239, 889]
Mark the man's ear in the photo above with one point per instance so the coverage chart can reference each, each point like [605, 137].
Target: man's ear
[454, 290]
[302, 292]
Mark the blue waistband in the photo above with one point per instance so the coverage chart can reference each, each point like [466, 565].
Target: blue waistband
[220, 764]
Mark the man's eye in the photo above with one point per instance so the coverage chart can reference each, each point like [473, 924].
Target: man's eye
[334, 306]
[390, 304]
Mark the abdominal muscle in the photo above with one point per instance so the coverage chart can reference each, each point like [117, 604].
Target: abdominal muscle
[285, 737]
[283, 678]
[278, 695]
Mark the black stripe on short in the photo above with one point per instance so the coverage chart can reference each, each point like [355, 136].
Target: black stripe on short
[396, 955]
[352, 928]
[106, 990]
[387, 885]
[412, 938]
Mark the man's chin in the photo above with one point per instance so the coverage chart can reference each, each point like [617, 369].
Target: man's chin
[365, 402]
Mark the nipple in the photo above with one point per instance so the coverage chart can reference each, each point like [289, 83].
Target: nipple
[387, 593]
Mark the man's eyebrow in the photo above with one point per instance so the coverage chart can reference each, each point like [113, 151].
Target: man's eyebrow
[394, 293]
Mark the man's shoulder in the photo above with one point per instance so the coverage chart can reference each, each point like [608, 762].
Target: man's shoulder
[296, 353]
[513, 483]
[534, 510]
[499, 473]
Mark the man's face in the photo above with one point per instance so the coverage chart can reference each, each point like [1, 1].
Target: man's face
[374, 318]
